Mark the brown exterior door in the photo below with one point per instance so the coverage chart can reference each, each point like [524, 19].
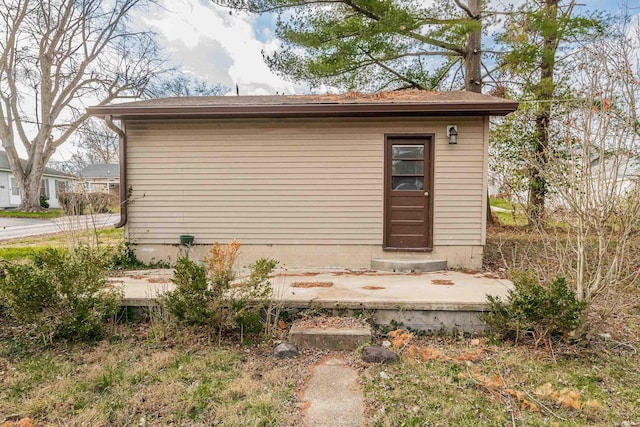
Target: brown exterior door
[408, 223]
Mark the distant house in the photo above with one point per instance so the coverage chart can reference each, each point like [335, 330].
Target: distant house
[622, 171]
[101, 178]
[53, 182]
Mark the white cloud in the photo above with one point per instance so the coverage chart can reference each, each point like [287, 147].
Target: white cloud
[219, 45]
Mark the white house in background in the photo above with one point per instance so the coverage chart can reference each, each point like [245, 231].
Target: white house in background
[624, 169]
[101, 178]
[53, 181]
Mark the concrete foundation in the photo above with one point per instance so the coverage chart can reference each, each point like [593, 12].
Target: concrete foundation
[320, 256]
[432, 320]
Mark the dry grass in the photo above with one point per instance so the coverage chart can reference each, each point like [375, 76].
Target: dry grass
[463, 382]
[473, 382]
[133, 380]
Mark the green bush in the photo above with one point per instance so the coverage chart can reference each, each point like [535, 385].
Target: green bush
[533, 309]
[73, 203]
[60, 295]
[122, 257]
[208, 295]
[44, 201]
[191, 301]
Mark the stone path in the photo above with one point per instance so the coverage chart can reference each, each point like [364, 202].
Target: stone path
[333, 396]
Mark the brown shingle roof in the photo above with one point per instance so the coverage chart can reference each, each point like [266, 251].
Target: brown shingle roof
[412, 102]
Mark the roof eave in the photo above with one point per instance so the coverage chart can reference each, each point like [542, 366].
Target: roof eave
[45, 173]
[304, 110]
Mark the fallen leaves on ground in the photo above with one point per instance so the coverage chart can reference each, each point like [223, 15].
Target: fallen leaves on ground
[312, 284]
[566, 398]
[472, 356]
[24, 422]
[446, 282]
[399, 338]
[423, 353]
[496, 386]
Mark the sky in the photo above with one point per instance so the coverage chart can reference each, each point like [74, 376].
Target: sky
[220, 45]
[225, 46]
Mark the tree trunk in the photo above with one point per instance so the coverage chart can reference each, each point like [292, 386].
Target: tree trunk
[30, 190]
[488, 212]
[537, 181]
[473, 51]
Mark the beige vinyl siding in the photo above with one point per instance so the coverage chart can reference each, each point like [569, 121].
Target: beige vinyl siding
[314, 181]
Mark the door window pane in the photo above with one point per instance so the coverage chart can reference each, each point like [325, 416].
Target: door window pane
[61, 186]
[44, 188]
[407, 151]
[408, 167]
[15, 190]
[407, 183]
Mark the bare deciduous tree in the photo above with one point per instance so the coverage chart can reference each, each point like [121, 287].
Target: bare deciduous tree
[184, 85]
[98, 143]
[55, 56]
[595, 177]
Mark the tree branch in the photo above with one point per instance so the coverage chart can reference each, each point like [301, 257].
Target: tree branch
[395, 73]
[465, 8]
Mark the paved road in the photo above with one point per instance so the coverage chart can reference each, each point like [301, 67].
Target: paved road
[15, 228]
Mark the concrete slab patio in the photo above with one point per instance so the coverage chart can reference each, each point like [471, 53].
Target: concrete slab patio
[429, 301]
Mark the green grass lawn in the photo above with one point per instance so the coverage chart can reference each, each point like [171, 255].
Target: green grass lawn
[514, 218]
[49, 214]
[501, 203]
[511, 219]
[25, 248]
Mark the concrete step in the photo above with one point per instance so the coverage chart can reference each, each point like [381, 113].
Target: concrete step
[408, 265]
[330, 338]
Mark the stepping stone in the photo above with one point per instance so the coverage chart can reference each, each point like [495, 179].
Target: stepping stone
[333, 396]
[334, 339]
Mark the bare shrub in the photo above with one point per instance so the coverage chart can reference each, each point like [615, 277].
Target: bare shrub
[593, 173]
[73, 203]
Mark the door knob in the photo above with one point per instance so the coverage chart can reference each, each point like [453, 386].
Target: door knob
[426, 193]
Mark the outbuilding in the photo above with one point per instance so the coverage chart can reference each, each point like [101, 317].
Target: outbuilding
[312, 181]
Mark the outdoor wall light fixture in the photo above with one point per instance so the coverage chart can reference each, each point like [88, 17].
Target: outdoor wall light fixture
[452, 133]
